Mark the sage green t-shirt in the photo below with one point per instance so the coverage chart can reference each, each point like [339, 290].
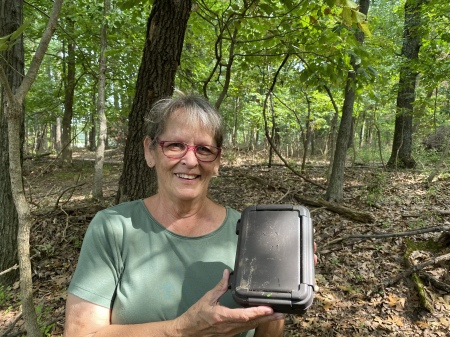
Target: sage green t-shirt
[146, 273]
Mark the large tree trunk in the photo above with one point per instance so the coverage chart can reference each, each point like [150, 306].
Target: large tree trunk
[336, 182]
[12, 61]
[166, 27]
[401, 155]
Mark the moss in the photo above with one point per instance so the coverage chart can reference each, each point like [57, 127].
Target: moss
[430, 246]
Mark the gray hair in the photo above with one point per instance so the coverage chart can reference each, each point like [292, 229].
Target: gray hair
[198, 110]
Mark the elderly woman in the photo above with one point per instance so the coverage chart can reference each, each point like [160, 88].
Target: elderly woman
[150, 267]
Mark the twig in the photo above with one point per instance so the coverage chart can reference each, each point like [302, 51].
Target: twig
[68, 189]
[16, 265]
[12, 325]
[389, 235]
[9, 269]
[435, 282]
[284, 196]
[417, 267]
[21, 332]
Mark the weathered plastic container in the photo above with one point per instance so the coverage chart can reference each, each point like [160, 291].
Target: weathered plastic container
[275, 258]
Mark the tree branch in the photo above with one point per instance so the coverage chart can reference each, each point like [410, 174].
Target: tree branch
[40, 52]
[417, 267]
[389, 235]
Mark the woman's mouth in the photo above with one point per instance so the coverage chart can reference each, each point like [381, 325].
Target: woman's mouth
[186, 176]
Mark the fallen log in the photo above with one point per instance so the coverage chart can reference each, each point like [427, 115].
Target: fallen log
[388, 235]
[347, 212]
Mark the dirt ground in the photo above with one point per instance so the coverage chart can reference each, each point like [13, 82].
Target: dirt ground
[353, 298]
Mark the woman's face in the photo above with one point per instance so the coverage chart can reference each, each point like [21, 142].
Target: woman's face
[186, 178]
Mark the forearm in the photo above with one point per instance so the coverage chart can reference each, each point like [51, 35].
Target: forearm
[154, 329]
[270, 329]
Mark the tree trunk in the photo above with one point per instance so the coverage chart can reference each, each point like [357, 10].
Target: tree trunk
[335, 190]
[12, 61]
[100, 154]
[69, 92]
[401, 155]
[13, 111]
[166, 27]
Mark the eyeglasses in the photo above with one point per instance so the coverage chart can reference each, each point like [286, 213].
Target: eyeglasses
[177, 150]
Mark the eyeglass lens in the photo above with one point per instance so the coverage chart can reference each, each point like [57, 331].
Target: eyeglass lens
[178, 150]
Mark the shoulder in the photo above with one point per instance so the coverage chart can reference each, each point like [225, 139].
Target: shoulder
[117, 218]
[232, 216]
[232, 213]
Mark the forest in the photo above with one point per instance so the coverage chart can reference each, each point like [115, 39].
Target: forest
[341, 106]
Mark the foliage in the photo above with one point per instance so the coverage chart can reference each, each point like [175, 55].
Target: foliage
[234, 49]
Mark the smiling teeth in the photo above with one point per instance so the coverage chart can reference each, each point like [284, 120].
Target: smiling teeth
[186, 176]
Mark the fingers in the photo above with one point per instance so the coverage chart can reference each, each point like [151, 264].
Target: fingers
[221, 288]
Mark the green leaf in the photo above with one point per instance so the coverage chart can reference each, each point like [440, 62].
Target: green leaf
[365, 28]
[19, 30]
[358, 16]
[347, 16]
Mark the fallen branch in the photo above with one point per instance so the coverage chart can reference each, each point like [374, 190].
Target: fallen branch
[416, 268]
[16, 266]
[389, 235]
[435, 282]
[331, 206]
[9, 269]
[65, 190]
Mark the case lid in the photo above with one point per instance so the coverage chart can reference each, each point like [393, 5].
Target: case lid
[275, 246]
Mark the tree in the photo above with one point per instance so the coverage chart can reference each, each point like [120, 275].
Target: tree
[12, 62]
[100, 153]
[401, 155]
[13, 111]
[69, 68]
[336, 182]
[166, 27]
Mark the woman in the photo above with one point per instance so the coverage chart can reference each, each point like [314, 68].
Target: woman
[150, 267]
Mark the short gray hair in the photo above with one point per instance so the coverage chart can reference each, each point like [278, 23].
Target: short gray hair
[198, 110]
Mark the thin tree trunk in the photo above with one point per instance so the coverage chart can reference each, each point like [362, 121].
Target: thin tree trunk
[307, 138]
[13, 111]
[401, 155]
[69, 93]
[100, 154]
[335, 190]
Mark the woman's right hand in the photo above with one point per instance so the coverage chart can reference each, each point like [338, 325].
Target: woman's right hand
[208, 318]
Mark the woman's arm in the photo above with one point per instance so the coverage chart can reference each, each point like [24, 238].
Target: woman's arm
[206, 318]
[85, 319]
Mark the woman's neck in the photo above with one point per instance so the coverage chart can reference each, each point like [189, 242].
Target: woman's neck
[186, 218]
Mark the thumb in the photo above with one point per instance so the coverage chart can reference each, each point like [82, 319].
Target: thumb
[221, 288]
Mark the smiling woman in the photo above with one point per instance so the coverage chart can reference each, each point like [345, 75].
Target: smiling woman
[151, 266]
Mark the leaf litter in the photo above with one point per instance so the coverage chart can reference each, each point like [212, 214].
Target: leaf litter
[351, 299]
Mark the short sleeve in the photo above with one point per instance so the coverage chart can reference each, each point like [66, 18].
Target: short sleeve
[100, 264]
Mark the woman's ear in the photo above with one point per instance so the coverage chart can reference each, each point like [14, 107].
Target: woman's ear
[148, 152]
[216, 167]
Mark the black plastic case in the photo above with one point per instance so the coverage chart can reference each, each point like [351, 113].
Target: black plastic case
[275, 258]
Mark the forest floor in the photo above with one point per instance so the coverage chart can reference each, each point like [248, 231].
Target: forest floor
[353, 298]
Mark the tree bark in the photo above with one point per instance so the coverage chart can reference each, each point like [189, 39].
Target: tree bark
[13, 111]
[335, 188]
[401, 155]
[12, 61]
[69, 93]
[166, 27]
[100, 153]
